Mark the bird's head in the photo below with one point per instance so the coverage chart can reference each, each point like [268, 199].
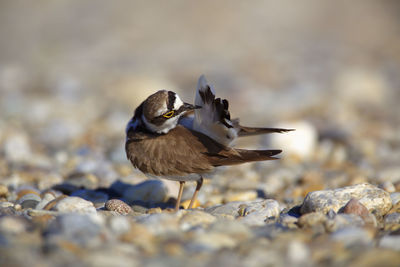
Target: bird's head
[162, 110]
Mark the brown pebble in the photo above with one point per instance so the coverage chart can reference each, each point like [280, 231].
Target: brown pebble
[118, 206]
[24, 192]
[52, 203]
[355, 207]
[154, 210]
[3, 190]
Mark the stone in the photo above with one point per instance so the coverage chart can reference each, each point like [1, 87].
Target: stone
[12, 225]
[76, 228]
[311, 219]
[17, 147]
[74, 204]
[390, 242]
[119, 224]
[373, 198]
[47, 197]
[254, 213]
[241, 196]
[353, 236]
[298, 253]
[395, 197]
[91, 195]
[29, 201]
[355, 207]
[300, 143]
[118, 206]
[6, 204]
[153, 191]
[343, 221]
[196, 218]
[3, 190]
[185, 204]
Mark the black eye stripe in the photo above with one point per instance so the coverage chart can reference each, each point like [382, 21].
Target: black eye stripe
[171, 100]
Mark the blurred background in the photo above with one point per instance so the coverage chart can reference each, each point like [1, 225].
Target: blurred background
[72, 73]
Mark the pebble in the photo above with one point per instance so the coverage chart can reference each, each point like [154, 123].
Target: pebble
[196, 218]
[353, 236]
[355, 207]
[6, 204]
[74, 204]
[185, 204]
[29, 201]
[241, 196]
[373, 198]
[12, 225]
[47, 197]
[342, 221]
[3, 190]
[255, 212]
[17, 148]
[392, 219]
[390, 242]
[153, 191]
[301, 143]
[118, 206]
[119, 224]
[76, 228]
[395, 197]
[298, 253]
[91, 195]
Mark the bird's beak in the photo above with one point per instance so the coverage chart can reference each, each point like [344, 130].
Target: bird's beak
[188, 106]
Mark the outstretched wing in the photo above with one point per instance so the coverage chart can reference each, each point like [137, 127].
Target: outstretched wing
[213, 119]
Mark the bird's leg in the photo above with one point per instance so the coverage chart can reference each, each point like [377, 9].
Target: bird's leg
[178, 201]
[198, 186]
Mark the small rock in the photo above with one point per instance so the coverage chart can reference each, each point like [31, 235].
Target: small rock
[196, 218]
[12, 225]
[83, 180]
[390, 242]
[395, 197]
[6, 204]
[159, 223]
[77, 228]
[91, 195]
[153, 191]
[118, 206]
[388, 186]
[256, 212]
[342, 221]
[392, 221]
[47, 197]
[241, 196]
[353, 236]
[17, 148]
[3, 190]
[298, 253]
[355, 207]
[185, 204]
[74, 204]
[312, 219]
[300, 143]
[25, 191]
[29, 201]
[374, 199]
[119, 224]
[212, 242]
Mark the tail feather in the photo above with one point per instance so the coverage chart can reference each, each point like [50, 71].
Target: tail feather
[249, 131]
[243, 156]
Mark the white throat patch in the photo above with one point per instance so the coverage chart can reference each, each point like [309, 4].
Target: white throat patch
[163, 128]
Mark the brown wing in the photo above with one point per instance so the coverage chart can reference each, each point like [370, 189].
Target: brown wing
[182, 151]
[179, 152]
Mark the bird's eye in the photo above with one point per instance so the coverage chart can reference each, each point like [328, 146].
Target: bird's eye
[169, 114]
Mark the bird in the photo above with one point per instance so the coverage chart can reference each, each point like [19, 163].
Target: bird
[171, 139]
